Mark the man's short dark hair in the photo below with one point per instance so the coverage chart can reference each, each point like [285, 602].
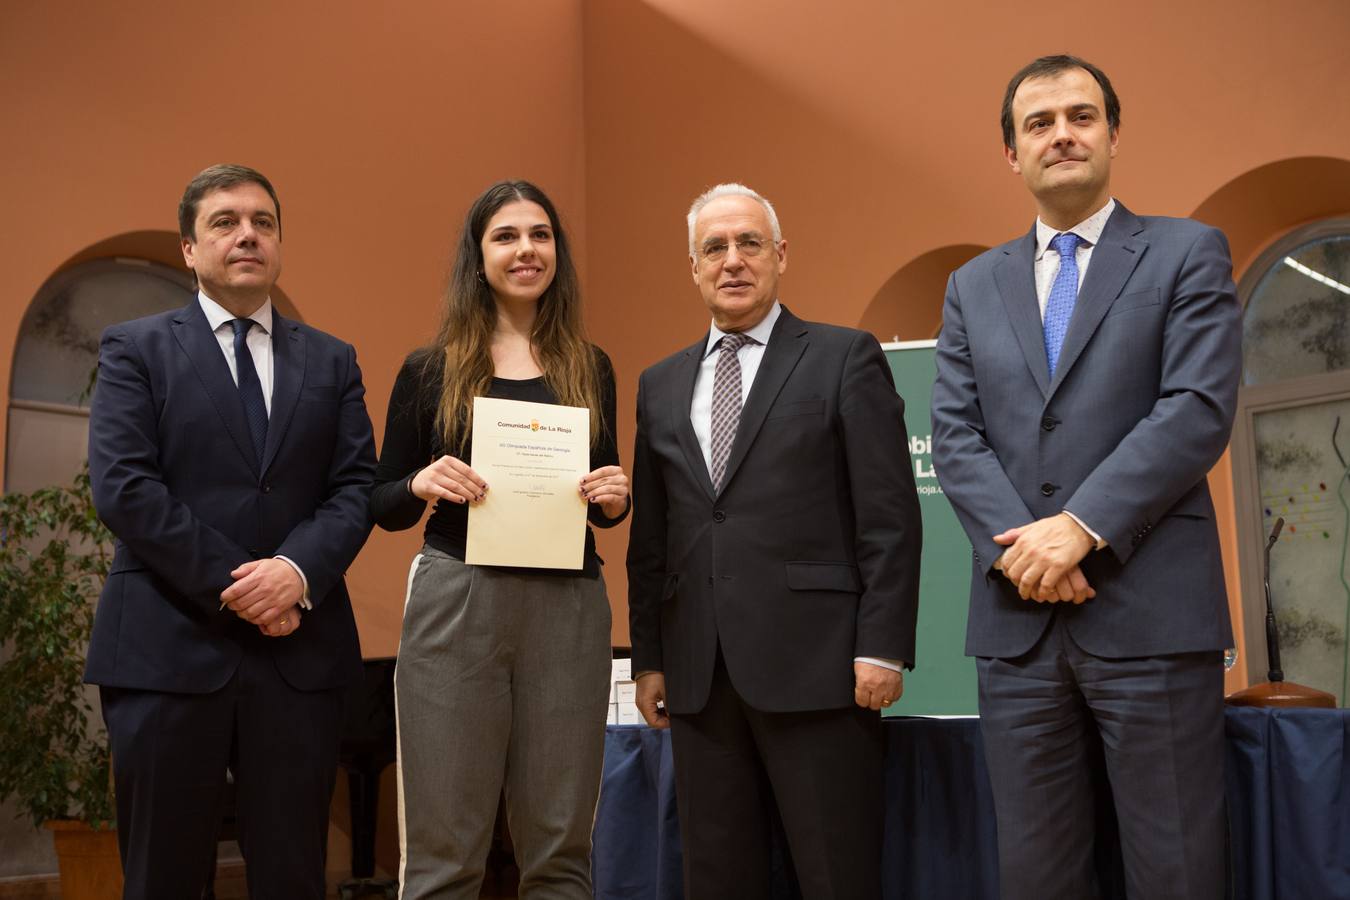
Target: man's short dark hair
[1046, 67]
[219, 178]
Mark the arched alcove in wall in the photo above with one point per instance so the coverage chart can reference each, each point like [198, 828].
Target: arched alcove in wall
[163, 247]
[1271, 212]
[56, 350]
[1265, 203]
[908, 306]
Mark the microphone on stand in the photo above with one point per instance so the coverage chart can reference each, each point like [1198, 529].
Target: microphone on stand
[1276, 672]
[1276, 691]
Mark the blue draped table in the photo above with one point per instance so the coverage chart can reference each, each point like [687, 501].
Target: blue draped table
[1288, 785]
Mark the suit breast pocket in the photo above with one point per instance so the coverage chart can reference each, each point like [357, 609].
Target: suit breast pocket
[1150, 298]
[319, 393]
[811, 406]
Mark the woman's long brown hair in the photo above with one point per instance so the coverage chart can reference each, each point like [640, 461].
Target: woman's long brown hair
[462, 351]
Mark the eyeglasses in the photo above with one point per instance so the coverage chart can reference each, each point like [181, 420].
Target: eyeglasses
[748, 247]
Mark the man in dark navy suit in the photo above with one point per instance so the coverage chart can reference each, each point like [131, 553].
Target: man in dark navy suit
[1087, 378]
[232, 457]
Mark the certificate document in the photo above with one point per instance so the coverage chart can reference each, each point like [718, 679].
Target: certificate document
[532, 456]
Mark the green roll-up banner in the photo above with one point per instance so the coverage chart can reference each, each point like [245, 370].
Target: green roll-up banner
[943, 680]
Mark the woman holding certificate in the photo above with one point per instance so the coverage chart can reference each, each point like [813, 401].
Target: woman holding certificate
[503, 671]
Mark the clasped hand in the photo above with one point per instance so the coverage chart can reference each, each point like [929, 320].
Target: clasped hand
[265, 592]
[1042, 559]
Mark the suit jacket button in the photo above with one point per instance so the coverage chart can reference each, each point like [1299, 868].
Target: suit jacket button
[1048, 489]
[719, 516]
[1049, 422]
[267, 489]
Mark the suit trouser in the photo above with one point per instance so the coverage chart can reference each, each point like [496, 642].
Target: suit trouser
[820, 770]
[170, 752]
[502, 681]
[1160, 721]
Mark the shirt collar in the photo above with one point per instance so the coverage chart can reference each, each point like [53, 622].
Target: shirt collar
[1090, 229]
[217, 315]
[759, 334]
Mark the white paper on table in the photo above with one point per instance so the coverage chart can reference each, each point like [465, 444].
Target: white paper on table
[532, 456]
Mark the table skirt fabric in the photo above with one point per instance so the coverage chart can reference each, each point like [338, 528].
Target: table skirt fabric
[1288, 787]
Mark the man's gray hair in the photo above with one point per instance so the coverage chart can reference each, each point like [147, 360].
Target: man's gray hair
[731, 189]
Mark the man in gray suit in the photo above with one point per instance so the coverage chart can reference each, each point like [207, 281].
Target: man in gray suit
[1087, 376]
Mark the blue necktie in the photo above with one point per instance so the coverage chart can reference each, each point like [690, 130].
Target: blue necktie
[250, 388]
[1063, 293]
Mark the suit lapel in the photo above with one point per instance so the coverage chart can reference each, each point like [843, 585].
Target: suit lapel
[1113, 261]
[686, 374]
[1016, 278]
[787, 342]
[201, 347]
[288, 370]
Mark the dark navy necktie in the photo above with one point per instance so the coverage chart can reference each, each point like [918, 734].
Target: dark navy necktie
[250, 388]
[1063, 295]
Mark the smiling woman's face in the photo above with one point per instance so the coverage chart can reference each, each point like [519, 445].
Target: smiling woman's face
[519, 254]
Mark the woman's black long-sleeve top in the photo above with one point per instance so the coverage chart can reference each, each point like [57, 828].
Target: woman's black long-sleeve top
[411, 442]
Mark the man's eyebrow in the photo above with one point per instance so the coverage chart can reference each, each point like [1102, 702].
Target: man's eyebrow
[231, 211]
[1045, 113]
[738, 236]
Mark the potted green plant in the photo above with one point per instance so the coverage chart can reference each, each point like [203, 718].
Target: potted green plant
[54, 759]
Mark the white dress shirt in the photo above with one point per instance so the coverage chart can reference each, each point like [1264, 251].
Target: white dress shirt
[1047, 267]
[259, 342]
[1047, 258]
[750, 355]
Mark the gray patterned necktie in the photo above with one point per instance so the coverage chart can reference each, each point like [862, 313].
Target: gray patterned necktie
[726, 403]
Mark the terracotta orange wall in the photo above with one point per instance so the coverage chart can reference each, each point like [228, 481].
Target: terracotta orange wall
[378, 125]
[872, 126]
[870, 123]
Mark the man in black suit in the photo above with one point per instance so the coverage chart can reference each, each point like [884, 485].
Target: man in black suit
[1087, 377]
[232, 457]
[773, 570]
